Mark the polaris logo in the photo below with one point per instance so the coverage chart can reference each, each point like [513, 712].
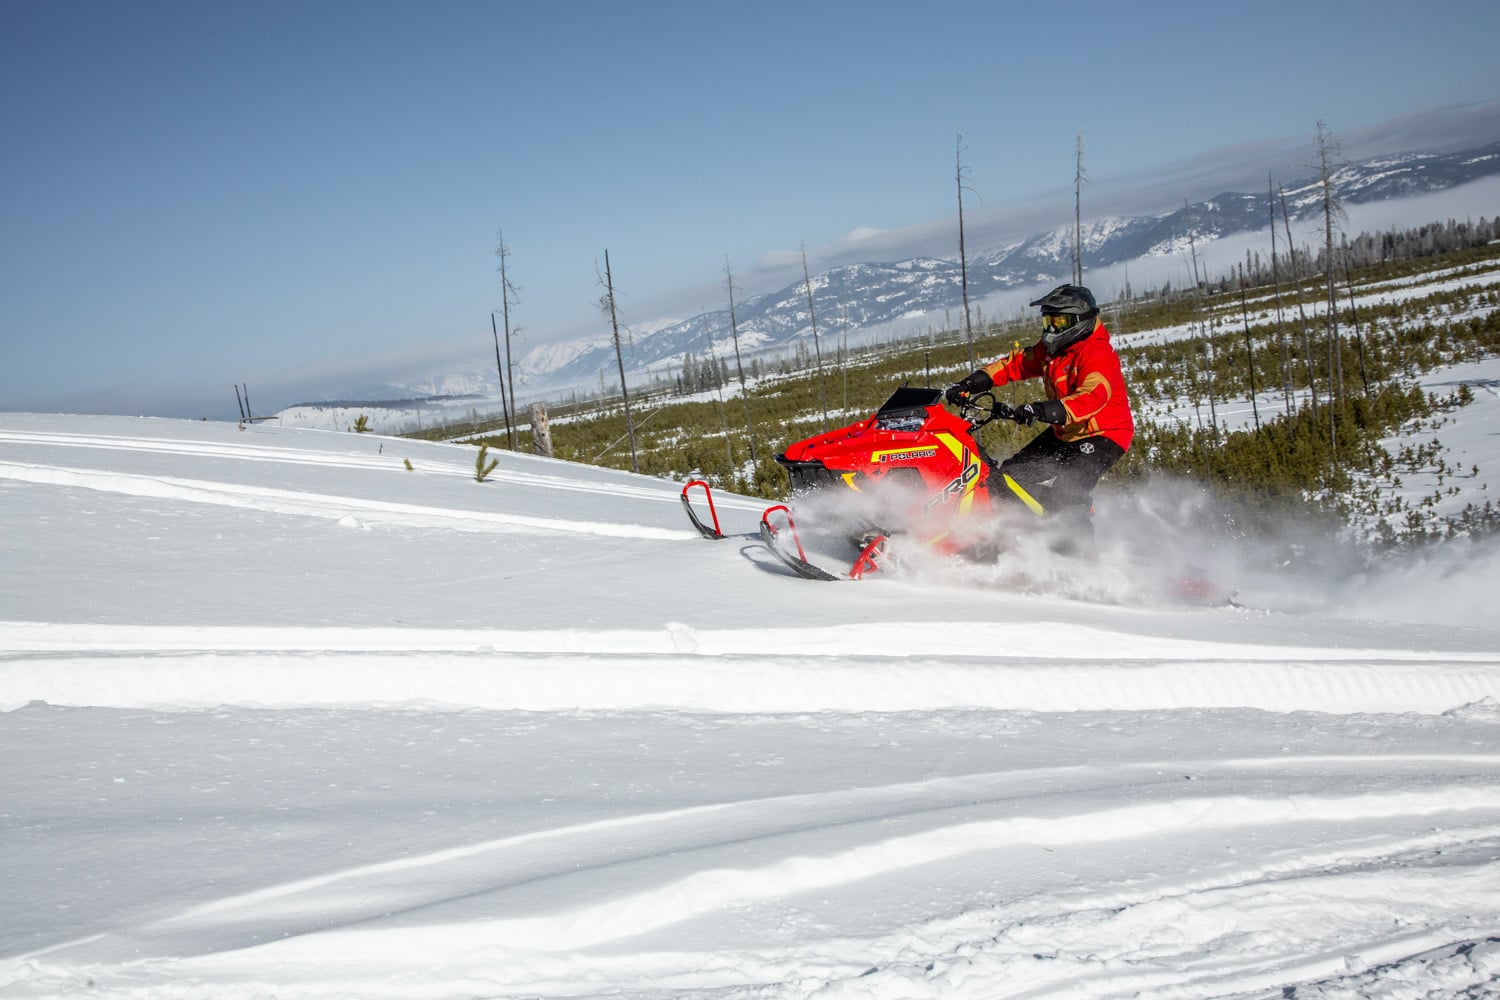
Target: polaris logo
[905, 456]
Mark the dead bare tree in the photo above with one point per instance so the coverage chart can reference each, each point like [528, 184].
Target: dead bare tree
[1249, 350]
[508, 294]
[1286, 362]
[608, 304]
[817, 349]
[844, 359]
[963, 259]
[1327, 149]
[1079, 179]
[713, 366]
[1291, 249]
[739, 365]
[1206, 342]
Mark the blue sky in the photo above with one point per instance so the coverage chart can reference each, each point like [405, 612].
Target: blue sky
[194, 195]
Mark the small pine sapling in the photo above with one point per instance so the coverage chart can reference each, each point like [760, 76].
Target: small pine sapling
[409, 466]
[481, 469]
[362, 424]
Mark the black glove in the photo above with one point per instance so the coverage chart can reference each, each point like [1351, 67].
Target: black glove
[1048, 411]
[972, 383]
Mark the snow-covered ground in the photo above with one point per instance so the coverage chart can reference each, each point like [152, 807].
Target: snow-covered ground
[283, 718]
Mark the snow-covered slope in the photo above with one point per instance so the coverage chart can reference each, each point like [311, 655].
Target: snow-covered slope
[285, 717]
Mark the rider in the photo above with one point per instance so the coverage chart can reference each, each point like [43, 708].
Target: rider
[1086, 405]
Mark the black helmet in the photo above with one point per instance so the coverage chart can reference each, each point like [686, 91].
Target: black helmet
[1078, 311]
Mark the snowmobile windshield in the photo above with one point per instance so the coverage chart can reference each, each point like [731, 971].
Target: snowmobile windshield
[908, 398]
[906, 409]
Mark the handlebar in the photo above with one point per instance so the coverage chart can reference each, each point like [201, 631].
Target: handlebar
[983, 408]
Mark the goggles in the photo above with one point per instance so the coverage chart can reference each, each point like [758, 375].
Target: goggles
[1057, 321]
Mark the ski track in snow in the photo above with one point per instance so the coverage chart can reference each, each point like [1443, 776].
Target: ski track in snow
[281, 455]
[1150, 938]
[1237, 808]
[411, 884]
[1140, 935]
[324, 506]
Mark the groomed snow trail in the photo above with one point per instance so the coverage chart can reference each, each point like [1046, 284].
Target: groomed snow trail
[963, 851]
[835, 668]
[283, 717]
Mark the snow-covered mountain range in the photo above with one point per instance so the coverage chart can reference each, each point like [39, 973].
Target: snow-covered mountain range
[863, 301]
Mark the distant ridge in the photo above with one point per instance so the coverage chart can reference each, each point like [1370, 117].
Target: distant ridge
[872, 295]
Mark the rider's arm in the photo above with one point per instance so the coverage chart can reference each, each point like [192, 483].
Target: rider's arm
[1095, 387]
[1027, 362]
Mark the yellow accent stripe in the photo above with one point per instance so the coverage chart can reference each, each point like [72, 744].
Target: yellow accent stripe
[951, 443]
[961, 453]
[1092, 381]
[1026, 498]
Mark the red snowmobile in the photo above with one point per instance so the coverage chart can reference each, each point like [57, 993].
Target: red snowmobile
[915, 471]
[912, 469]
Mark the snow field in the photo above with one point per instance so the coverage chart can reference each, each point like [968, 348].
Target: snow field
[282, 718]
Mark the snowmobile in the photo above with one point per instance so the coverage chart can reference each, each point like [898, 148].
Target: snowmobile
[915, 473]
[911, 469]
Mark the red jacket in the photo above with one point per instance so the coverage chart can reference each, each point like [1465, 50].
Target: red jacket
[1086, 378]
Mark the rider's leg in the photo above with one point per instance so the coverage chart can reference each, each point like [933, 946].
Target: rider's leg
[1061, 476]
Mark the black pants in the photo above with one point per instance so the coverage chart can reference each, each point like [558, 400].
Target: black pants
[1061, 476]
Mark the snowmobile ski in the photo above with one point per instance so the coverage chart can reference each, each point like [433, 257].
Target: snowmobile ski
[870, 557]
[777, 525]
[714, 532]
[774, 538]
